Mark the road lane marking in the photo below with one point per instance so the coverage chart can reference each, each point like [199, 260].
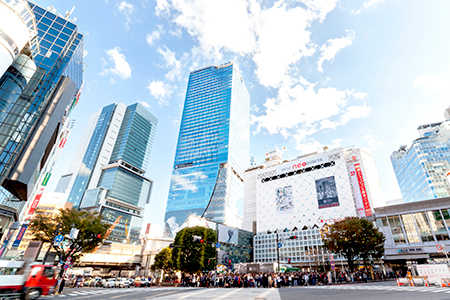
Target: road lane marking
[192, 294]
[127, 294]
[155, 296]
[226, 295]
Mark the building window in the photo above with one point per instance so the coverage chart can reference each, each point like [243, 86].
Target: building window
[397, 230]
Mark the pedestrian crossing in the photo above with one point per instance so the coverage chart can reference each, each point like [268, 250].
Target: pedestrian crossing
[234, 294]
[99, 292]
[383, 288]
[222, 294]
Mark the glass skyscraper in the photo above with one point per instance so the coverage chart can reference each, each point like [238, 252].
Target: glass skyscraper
[107, 172]
[213, 149]
[49, 71]
[421, 169]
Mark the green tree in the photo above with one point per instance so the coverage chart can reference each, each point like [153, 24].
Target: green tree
[163, 260]
[188, 256]
[91, 226]
[355, 238]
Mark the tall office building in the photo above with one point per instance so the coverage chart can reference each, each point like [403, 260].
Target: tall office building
[422, 170]
[41, 68]
[213, 149]
[107, 172]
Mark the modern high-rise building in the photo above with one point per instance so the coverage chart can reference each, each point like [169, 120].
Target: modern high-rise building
[41, 73]
[107, 171]
[212, 153]
[422, 170]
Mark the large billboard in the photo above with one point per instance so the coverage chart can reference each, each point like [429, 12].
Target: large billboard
[284, 199]
[326, 191]
[228, 234]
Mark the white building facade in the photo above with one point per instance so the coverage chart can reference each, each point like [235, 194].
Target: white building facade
[313, 189]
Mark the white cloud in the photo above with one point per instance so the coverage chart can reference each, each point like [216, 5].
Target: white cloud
[332, 47]
[311, 145]
[371, 3]
[256, 30]
[276, 38]
[171, 62]
[204, 20]
[372, 143]
[367, 5]
[152, 37]
[121, 67]
[145, 104]
[155, 35]
[353, 112]
[359, 95]
[436, 83]
[161, 91]
[278, 48]
[175, 32]
[161, 6]
[301, 104]
[127, 10]
[112, 81]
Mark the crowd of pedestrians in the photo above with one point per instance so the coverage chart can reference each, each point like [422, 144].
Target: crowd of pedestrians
[278, 280]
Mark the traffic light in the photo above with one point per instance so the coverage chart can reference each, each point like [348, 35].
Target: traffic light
[294, 237]
[99, 236]
[198, 239]
[289, 260]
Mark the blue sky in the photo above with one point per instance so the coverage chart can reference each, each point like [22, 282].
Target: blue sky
[319, 73]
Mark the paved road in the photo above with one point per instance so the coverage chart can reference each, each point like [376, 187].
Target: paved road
[369, 291]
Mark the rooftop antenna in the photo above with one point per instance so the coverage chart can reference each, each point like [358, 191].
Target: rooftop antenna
[68, 13]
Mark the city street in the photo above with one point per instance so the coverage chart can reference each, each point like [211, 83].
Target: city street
[368, 291]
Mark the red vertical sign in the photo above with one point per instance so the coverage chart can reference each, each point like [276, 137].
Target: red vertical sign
[362, 187]
[35, 203]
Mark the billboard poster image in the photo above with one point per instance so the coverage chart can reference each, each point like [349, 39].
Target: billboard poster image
[228, 234]
[327, 195]
[284, 199]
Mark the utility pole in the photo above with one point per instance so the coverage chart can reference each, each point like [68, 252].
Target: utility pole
[51, 244]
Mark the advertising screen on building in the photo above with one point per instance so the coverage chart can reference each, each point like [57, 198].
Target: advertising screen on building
[284, 199]
[326, 192]
[228, 234]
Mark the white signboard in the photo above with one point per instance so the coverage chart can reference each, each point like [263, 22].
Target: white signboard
[433, 271]
[73, 233]
[303, 162]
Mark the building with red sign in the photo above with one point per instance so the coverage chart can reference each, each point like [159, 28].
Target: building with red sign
[312, 189]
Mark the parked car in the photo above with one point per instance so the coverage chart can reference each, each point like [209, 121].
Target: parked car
[122, 283]
[142, 282]
[110, 283]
